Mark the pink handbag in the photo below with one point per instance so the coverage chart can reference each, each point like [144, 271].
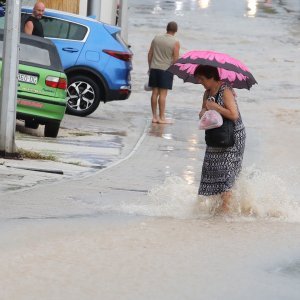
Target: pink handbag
[210, 119]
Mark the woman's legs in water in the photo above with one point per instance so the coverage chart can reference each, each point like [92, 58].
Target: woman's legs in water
[225, 197]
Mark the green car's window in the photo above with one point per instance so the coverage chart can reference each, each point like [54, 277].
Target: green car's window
[34, 55]
[31, 54]
[55, 28]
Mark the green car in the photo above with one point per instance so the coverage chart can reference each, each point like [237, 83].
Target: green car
[42, 84]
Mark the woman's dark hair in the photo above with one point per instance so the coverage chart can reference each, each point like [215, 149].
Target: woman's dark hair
[207, 71]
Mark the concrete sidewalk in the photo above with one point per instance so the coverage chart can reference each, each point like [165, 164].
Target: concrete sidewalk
[84, 146]
[26, 173]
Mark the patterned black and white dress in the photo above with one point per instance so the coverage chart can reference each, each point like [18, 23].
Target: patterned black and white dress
[221, 166]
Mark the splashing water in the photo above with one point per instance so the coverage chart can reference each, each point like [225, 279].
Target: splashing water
[174, 198]
[264, 195]
[256, 195]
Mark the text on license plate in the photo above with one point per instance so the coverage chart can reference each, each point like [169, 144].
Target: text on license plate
[28, 78]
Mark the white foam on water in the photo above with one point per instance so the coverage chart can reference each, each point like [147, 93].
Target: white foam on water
[174, 198]
[265, 195]
[256, 195]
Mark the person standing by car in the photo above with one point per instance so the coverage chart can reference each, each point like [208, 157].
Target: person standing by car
[163, 52]
[32, 24]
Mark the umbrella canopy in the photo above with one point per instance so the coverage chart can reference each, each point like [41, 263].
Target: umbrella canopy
[230, 69]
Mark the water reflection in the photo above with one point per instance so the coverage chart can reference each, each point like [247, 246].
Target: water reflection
[187, 12]
[189, 174]
[193, 143]
[167, 136]
[255, 7]
[157, 8]
[252, 8]
[203, 4]
[156, 129]
[179, 6]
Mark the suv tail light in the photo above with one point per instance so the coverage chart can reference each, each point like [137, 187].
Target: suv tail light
[56, 82]
[119, 54]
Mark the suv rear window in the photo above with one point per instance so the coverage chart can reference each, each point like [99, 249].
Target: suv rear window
[55, 28]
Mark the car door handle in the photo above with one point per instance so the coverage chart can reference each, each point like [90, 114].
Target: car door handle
[69, 49]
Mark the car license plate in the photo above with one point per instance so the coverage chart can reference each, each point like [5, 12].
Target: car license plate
[27, 78]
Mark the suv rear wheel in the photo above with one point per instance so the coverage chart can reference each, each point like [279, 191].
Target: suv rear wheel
[83, 96]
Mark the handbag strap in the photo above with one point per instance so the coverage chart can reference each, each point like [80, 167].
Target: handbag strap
[212, 98]
[218, 95]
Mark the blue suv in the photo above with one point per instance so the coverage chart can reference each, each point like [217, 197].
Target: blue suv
[95, 58]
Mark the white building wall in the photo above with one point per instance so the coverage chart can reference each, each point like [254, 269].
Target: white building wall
[108, 11]
[83, 7]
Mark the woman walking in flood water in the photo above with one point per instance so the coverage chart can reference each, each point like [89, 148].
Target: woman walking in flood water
[221, 166]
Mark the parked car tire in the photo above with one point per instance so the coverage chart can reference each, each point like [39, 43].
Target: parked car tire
[31, 124]
[83, 95]
[51, 129]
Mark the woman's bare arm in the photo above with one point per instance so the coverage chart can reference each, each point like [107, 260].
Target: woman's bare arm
[230, 111]
[203, 109]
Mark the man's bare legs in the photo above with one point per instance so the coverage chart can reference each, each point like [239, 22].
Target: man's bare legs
[159, 97]
[154, 100]
[162, 106]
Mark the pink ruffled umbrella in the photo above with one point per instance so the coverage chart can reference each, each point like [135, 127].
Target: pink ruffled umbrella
[230, 69]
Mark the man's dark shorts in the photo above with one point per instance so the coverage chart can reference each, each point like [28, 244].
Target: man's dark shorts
[160, 79]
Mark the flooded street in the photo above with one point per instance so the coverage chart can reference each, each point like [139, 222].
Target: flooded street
[266, 37]
[136, 229]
